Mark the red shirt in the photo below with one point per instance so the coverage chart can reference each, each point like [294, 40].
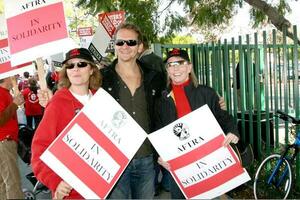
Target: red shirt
[32, 106]
[10, 129]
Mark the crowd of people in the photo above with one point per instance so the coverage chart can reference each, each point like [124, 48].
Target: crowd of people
[139, 81]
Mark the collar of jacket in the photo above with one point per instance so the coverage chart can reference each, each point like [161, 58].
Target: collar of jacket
[145, 53]
[147, 73]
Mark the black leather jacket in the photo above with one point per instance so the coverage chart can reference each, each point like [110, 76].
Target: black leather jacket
[153, 81]
[197, 97]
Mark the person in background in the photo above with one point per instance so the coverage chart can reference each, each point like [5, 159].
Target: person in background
[79, 80]
[24, 82]
[184, 95]
[151, 59]
[136, 87]
[33, 110]
[52, 79]
[10, 180]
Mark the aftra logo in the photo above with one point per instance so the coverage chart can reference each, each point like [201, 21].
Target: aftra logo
[32, 98]
[181, 131]
[119, 119]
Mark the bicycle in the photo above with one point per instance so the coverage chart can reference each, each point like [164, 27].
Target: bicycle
[273, 178]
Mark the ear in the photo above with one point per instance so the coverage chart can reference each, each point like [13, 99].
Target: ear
[190, 65]
[140, 47]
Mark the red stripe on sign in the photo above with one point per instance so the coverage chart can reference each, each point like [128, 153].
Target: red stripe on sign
[36, 27]
[4, 57]
[214, 181]
[3, 43]
[80, 168]
[5, 67]
[197, 153]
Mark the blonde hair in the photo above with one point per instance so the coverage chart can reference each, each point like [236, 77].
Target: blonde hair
[95, 80]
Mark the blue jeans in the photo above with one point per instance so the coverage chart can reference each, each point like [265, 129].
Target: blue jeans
[175, 190]
[165, 178]
[137, 180]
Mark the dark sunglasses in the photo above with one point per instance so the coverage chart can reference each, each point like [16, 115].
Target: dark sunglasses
[130, 43]
[79, 65]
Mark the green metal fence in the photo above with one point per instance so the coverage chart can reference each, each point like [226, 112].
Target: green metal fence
[257, 75]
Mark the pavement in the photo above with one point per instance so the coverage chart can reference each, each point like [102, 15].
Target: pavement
[28, 186]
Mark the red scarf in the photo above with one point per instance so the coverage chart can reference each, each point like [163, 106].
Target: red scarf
[182, 104]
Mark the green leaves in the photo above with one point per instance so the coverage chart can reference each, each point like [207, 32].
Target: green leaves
[160, 19]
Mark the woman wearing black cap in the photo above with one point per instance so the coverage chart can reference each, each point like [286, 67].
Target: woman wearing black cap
[184, 95]
[79, 79]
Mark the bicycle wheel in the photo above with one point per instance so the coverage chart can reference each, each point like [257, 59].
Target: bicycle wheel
[274, 190]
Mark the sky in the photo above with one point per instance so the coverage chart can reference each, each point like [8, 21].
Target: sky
[240, 24]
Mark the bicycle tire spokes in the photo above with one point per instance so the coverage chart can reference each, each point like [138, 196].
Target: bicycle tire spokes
[279, 186]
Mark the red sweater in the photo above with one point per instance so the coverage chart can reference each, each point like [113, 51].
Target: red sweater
[59, 112]
[32, 106]
[8, 116]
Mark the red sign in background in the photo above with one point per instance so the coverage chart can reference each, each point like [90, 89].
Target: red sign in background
[6, 66]
[116, 17]
[80, 168]
[36, 27]
[85, 31]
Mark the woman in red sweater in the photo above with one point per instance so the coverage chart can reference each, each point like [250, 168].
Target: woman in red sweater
[33, 110]
[79, 79]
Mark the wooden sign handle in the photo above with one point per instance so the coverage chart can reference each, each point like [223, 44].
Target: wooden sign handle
[15, 85]
[41, 73]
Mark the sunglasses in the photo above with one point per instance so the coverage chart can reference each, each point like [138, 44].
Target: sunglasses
[178, 63]
[130, 43]
[79, 65]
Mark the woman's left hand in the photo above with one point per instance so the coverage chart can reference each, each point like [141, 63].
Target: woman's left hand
[230, 138]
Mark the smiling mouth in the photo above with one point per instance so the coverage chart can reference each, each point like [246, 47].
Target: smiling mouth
[177, 74]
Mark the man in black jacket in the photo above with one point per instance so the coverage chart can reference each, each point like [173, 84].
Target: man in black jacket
[136, 87]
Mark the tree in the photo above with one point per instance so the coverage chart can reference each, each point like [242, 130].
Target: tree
[203, 14]
[144, 13]
[211, 13]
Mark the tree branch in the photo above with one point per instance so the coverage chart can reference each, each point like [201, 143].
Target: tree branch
[279, 21]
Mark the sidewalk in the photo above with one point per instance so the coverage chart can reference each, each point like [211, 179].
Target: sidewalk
[26, 184]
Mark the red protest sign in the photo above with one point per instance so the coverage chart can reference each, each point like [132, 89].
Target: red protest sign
[85, 31]
[90, 171]
[96, 150]
[6, 70]
[116, 17]
[108, 25]
[36, 27]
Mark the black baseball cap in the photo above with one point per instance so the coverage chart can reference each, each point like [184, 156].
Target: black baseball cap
[79, 53]
[178, 52]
